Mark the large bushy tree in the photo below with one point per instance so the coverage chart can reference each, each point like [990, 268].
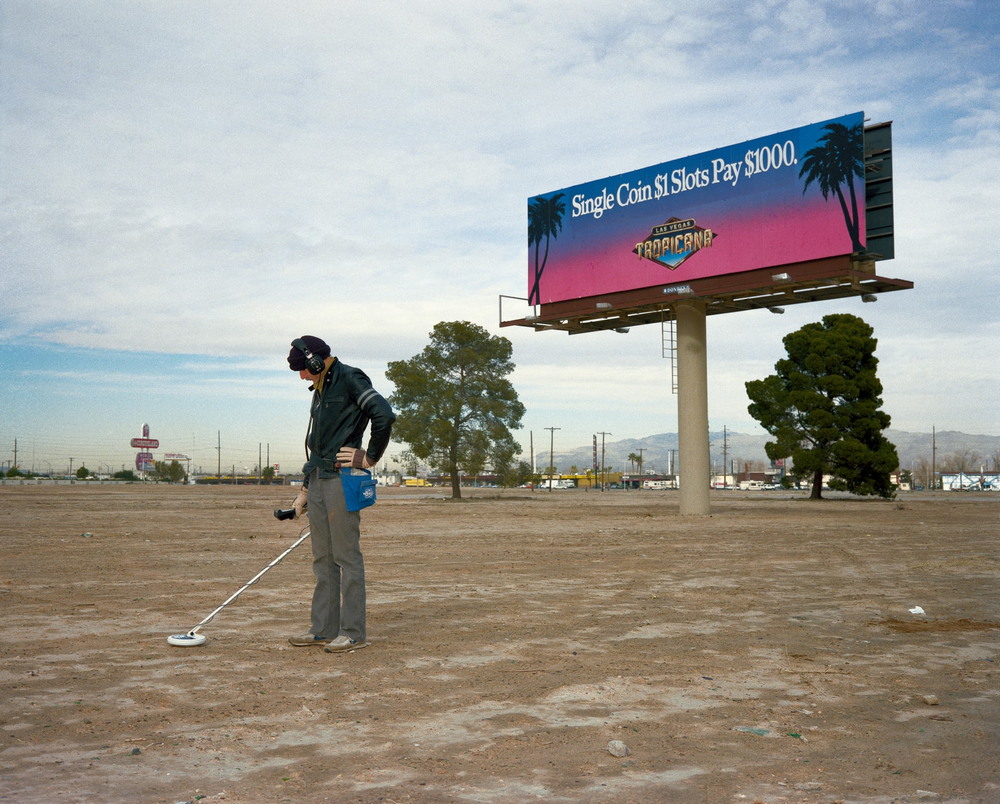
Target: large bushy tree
[823, 407]
[171, 472]
[455, 406]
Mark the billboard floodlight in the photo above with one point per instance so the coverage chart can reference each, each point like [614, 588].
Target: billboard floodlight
[777, 310]
[783, 277]
[622, 330]
[869, 297]
[604, 305]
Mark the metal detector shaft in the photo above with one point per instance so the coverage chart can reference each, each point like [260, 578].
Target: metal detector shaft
[249, 583]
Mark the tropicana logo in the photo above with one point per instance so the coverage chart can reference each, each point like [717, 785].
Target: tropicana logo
[673, 241]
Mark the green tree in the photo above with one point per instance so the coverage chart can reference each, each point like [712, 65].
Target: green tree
[126, 474]
[171, 472]
[823, 406]
[518, 475]
[409, 462]
[82, 473]
[454, 403]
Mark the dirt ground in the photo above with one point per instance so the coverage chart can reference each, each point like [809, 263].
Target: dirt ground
[765, 653]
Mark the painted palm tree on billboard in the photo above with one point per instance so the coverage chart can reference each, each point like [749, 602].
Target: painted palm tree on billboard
[834, 163]
[544, 222]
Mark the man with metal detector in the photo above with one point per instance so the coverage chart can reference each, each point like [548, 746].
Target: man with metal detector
[343, 405]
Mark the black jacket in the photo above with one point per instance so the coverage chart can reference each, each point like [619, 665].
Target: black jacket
[339, 416]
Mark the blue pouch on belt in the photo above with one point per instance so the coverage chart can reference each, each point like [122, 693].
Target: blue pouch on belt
[359, 488]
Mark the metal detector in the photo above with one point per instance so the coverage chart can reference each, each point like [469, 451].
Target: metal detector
[192, 637]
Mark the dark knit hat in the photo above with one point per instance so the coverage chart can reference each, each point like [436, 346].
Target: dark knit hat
[317, 346]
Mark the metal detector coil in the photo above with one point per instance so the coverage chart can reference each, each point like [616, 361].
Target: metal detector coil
[188, 640]
[192, 638]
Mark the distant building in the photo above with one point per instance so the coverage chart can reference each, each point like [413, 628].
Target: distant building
[975, 481]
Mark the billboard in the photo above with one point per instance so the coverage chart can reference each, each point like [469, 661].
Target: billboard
[790, 197]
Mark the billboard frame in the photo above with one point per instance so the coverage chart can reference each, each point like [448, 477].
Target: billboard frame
[761, 289]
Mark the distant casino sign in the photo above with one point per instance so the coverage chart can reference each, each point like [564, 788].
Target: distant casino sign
[145, 443]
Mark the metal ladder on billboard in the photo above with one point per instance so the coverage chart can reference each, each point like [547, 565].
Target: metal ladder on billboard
[668, 349]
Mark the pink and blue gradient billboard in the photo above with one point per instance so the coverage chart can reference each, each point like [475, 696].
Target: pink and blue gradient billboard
[790, 197]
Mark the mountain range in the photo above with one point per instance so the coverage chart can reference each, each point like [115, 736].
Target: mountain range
[659, 452]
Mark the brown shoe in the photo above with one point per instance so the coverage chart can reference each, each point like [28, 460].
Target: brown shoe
[307, 640]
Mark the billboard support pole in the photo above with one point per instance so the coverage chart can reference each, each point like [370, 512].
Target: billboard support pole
[692, 407]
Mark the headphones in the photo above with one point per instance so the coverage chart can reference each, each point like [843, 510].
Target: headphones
[313, 363]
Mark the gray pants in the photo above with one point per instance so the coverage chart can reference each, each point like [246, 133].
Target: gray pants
[338, 604]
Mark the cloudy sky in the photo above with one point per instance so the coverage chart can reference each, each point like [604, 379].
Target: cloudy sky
[187, 186]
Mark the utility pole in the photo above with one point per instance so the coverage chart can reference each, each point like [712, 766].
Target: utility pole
[531, 452]
[14, 467]
[933, 457]
[218, 451]
[552, 436]
[725, 457]
[602, 459]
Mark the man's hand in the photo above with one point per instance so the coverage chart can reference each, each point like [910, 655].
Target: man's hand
[355, 458]
[300, 503]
